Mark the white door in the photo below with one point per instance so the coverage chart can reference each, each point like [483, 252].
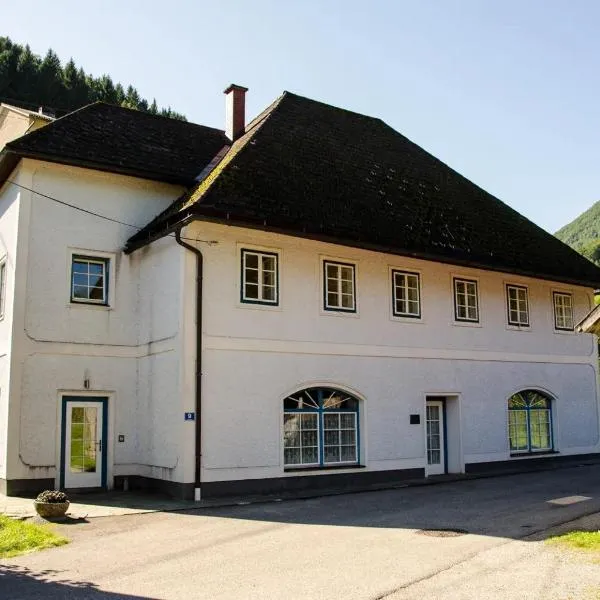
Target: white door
[436, 463]
[83, 452]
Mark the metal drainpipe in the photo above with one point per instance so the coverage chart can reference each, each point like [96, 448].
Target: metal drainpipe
[199, 269]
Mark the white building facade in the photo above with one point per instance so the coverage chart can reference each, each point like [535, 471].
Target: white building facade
[298, 362]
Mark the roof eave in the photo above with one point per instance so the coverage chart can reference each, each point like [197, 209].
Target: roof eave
[177, 221]
[590, 323]
[8, 161]
[87, 164]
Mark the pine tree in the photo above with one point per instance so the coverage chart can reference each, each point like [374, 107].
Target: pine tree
[27, 79]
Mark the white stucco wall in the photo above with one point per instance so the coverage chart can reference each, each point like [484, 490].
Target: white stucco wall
[129, 351]
[9, 217]
[254, 356]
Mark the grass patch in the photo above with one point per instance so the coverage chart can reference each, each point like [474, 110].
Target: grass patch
[580, 540]
[19, 537]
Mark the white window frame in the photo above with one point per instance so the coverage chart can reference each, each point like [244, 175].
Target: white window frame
[91, 260]
[466, 280]
[244, 252]
[556, 294]
[3, 274]
[325, 262]
[519, 288]
[405, 315]
[98, 255]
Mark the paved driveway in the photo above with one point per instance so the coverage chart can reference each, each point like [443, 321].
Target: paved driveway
[356, 546]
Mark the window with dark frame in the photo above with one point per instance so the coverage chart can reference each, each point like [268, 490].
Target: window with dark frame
[530, 422]
[563, 311]
[320, 429]
[406, 294]
[517, 305]
[89, 280]
[339, 286]
[466, 302]
[260, 277]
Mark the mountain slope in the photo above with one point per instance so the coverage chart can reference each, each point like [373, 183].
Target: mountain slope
[583, 234]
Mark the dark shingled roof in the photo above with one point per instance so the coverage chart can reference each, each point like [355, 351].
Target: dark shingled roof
[120, 140]
[309, 169]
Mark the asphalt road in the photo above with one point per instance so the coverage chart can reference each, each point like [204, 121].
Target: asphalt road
[355, 546]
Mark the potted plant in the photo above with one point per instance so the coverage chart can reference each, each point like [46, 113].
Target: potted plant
[51, 504]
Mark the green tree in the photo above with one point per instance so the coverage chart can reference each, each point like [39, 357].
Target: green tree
[27, 79]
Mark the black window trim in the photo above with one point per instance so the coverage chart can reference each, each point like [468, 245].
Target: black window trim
[91, 258]
[394, 272]
[520, 287]
[243, 299]
[458, 319]
[327, 261]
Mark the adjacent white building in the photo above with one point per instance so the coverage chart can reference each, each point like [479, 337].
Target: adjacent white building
[306, 300]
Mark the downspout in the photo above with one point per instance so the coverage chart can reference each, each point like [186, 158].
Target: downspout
[198, 421]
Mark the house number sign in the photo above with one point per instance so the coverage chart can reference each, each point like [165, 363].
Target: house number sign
[189, 416]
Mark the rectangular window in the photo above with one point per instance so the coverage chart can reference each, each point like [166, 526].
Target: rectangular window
[518, 305]
[563, 311]
[406, 294]
[339, 288]
[2, 287]
[466, 304]
[339, 432]
[260, 277]
[301, 439]
[89, 280]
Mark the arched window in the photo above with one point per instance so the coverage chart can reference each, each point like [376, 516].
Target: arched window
[320, 428]
[530, 422]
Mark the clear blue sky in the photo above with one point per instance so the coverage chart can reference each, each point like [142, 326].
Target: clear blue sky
[505, 91]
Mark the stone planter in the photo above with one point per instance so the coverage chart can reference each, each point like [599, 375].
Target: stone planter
[51, 510]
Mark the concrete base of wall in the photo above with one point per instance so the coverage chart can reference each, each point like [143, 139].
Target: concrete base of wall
[289, 485]
[531, 464]
[175, 489]
[25, 487]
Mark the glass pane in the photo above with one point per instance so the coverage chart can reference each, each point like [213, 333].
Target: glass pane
[80, 291]
[310, 456]
[332, 437]
[332, 454]
[332, 271]
[332, 299]
[292, 456]
[96, 269]
[331, 421]
[348, 453]
[348, 437]
[268, 278]
[251, 260]
[309, 421]
[77, 415]
[80, 279]
[80, 267]
[268, 263]
[251, 291]
[269, 294]
[77, 431]
[251, 276]
[97, 293]
[517, 401]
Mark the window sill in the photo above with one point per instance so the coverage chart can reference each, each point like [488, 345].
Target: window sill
[531, 454]
[327, 468]
[89, 305]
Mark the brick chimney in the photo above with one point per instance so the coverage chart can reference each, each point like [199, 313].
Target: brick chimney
[235, 111]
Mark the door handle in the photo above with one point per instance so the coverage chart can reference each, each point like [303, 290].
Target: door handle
[100, 446]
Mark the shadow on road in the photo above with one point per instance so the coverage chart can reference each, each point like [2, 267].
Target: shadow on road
[514, 506]
[20, 582]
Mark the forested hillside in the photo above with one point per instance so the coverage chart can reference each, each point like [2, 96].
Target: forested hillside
[583, 234]
[30, 81]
